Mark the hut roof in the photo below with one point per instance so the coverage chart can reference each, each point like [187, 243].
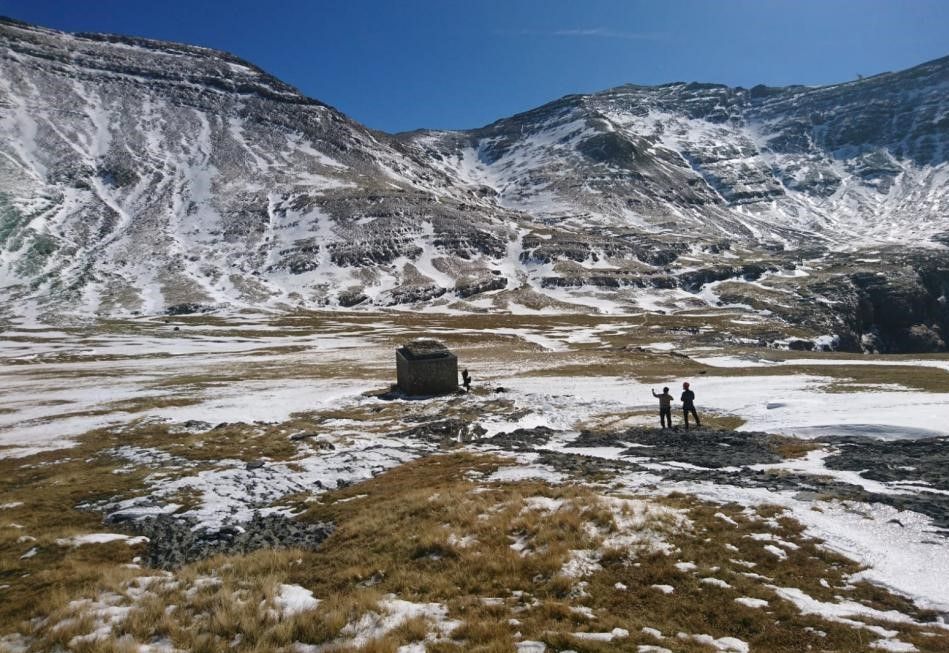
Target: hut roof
[423, 349]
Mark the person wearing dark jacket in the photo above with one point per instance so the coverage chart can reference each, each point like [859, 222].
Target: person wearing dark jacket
[688, 405]
[665, 407]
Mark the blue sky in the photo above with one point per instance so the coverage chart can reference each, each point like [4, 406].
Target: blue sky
[403, 64]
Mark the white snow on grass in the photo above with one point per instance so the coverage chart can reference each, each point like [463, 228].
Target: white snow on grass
[888, 362]
[893, 646]
[583, 610]
[771, 537]
[616, 633]
[732, 361]
[516, 473]
[652, 632]
[200, 583]
[520, 544]
[14, 643]
[40, 411]
[393, 612]
[716, 582]
[265, 401]
[750, 602]
[542, 504]
[849, 612]
[582, 562]
[106, 611]
[661, 346]
[865, 533]
[641, 526]
[100, 538]
[293, 599]
[728, 644]
[44, 414]
[543, 341]
[109, 609]
[462, 542]
[231, 493]
[665, 589]
[530, 646]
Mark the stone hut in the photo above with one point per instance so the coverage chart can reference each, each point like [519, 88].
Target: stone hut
[426, 367]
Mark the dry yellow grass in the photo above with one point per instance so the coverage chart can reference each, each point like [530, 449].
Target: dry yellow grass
[791, 447]
[433, 531]
[48, 490]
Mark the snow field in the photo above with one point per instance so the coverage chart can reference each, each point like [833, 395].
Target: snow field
[787, 404]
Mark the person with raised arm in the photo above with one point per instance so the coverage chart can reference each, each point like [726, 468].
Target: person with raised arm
[665, 407]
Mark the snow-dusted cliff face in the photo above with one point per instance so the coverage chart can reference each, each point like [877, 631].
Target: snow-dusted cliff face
[138, 175]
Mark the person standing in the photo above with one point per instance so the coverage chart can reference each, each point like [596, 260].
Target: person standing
[688, 405]
[665, 407]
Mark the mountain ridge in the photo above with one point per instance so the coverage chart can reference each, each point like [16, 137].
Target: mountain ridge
[141, 175]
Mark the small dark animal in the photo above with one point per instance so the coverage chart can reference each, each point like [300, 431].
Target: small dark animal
[466, 380]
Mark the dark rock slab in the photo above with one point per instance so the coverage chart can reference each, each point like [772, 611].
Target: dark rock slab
[703, 447]
[451, 430]
[726, 458]
[188, 309]
[924, 462]
[522, 439]
[173, 542]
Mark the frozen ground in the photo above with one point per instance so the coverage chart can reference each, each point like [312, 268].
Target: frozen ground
[792, 405]
[57, 385]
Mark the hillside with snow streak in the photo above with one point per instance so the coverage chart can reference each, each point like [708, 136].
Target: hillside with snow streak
[139, 174]
[143, 176]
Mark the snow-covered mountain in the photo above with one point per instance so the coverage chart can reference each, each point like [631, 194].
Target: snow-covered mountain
[844, 165]
[140, 175]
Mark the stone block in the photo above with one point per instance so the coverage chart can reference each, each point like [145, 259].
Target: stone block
[426, 368]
